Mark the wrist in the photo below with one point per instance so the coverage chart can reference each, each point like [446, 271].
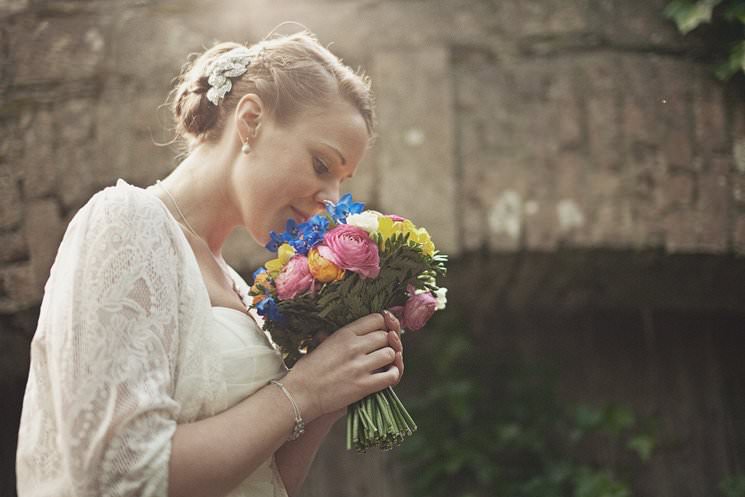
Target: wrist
[299, 427]
[306, 402]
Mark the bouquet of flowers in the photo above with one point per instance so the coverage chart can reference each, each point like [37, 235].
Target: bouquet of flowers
[337, 267]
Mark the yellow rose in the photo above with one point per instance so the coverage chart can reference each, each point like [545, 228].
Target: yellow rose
[323, 269]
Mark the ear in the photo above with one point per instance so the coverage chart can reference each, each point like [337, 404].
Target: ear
[248, 116]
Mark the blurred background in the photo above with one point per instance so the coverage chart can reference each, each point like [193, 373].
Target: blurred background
[582, 162]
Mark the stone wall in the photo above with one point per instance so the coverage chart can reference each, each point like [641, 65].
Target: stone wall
[537, 125]
[508, 127]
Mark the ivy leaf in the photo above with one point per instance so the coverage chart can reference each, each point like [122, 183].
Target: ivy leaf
[735, 12]
[618, 418]
[688, 15]
[588, 418]
[591, 483]
[733, 486]
[643, 445]
[735, 62]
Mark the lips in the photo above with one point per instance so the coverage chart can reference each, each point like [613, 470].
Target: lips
[300, 216]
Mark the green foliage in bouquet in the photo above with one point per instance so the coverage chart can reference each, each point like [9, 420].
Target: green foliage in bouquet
[353, 297]
[340, 266]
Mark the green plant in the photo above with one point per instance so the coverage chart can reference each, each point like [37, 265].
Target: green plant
[727, 18]
[489, 427]
[733, 486]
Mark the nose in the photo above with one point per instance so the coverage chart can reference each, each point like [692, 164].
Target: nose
[331, 193]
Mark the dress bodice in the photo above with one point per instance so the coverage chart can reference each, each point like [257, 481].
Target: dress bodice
[249, 361]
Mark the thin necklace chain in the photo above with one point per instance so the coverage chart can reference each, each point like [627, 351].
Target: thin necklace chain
[178, 209]
[194, 232]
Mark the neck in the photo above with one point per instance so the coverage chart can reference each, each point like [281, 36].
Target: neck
[200, 187]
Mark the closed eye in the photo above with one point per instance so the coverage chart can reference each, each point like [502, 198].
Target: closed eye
[320, 166]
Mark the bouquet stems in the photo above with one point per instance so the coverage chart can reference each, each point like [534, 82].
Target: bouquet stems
[379, 420]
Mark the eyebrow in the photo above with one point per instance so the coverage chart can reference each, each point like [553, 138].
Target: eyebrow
[343, 160]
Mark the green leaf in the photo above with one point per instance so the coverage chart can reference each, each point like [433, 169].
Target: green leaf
[589, 483]
[643, 445]
[688, 15]
[588, 418]
[618, 418]
[735, 12]
[734, 63]
[733, 486]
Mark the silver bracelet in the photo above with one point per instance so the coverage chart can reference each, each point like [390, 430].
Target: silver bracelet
[299, 427]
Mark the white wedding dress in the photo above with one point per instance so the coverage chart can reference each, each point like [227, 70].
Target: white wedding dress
[127, 347]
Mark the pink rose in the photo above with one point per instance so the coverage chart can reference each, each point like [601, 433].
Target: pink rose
[417, 311]
[351, 248]
[295, 278]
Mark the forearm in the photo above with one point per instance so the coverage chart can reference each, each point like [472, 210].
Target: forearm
[212, 456]
[295, 458]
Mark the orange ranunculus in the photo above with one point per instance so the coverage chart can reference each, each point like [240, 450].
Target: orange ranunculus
[322, 269]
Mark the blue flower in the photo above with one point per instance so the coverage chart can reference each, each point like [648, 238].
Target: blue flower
[316, 224]
[292, 230]
[344, 207]
[302, 237]
[276, 239]
[268, 308]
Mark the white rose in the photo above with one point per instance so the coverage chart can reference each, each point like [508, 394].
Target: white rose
[441, 298]
[366, 220]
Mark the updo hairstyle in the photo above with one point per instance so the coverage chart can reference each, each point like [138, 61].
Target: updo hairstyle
[290, 73]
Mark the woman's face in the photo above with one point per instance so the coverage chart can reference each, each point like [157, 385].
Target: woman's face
[292, 169]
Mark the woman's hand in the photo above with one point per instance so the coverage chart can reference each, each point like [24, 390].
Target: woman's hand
[359, 359]
[394, 341]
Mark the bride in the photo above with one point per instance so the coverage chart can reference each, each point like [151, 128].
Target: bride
[148, 375]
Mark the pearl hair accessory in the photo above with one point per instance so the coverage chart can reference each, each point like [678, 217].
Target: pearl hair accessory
[231, 64]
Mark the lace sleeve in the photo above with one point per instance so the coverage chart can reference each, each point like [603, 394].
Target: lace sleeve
[112, 345]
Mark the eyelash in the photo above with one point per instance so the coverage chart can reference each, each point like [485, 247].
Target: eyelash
[320, 166]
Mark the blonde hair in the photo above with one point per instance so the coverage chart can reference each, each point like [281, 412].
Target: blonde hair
[290, 73]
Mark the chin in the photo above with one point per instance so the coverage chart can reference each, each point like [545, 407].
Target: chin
[261, 236]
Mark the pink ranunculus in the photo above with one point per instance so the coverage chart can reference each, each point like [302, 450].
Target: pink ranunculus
[351, 248]
[397, 218]
[295, 278]
[417, 311]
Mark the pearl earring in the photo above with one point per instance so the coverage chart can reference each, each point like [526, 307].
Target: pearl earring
[246, 148]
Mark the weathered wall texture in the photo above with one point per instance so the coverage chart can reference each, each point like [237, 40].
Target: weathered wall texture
[511, 127]
[507, 125]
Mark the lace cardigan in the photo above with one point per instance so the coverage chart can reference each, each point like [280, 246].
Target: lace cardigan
[120, 356]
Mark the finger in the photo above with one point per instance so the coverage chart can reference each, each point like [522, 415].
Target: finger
[394, 340]
[379, 358]
[398, 362]
[318, 338]
[391, 321]
[384, 379]
[373, 341]
[366, 324]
